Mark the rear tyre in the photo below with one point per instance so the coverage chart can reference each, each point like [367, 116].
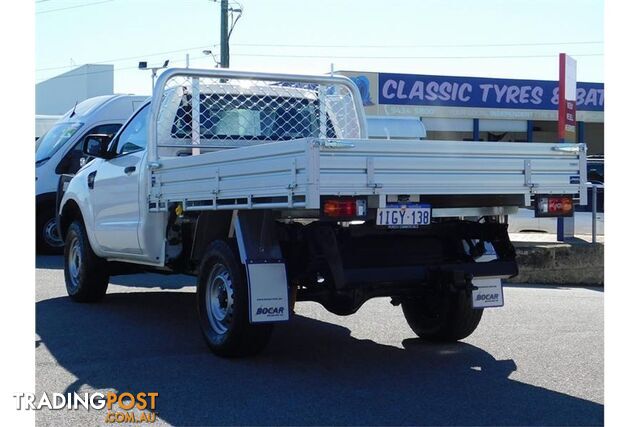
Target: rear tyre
[86, 275]
[48, 241]
[223, 305]
[446, 318]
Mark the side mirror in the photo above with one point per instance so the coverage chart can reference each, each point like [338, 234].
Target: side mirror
[97, 145]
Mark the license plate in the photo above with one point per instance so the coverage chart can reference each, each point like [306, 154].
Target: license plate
[488, 292]
[409, 216]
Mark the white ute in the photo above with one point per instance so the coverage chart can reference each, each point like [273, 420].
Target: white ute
[59, 151]
[266, 187]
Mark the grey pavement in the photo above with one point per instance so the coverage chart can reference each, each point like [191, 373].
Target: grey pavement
[551, 238]
[537, 361]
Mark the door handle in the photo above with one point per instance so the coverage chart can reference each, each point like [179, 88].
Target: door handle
[91, 178]
[129, 170]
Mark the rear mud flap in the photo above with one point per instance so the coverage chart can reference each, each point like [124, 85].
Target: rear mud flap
[266, 272]
[268, 293]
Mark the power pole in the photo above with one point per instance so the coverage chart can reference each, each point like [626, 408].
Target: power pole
[224, 33]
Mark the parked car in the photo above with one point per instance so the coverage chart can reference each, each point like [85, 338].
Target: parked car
[59, 151]
[267, 188]
[595, 169]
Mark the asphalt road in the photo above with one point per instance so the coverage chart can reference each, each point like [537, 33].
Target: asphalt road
[537, 361]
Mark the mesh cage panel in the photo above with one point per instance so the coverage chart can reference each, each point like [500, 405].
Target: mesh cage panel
[200, 113]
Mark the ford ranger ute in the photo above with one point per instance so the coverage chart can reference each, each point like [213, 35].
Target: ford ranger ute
[266, 188]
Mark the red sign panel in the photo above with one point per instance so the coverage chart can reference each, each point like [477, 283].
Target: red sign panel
[567, 99]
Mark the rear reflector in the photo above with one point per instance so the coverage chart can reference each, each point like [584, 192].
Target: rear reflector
[554, 206]
[344, 207]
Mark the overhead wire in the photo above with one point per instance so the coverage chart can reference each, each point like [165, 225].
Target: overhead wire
[129, 57]
[349, 57]
[73, 7]
[407, 57]
[62, 76]
[410, 46]
[331, 56]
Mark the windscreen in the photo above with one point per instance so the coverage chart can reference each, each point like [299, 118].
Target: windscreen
[55, 138]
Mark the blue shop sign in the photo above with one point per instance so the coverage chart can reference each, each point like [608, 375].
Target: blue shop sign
[445, 91]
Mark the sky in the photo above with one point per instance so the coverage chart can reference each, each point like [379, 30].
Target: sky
[489, 38]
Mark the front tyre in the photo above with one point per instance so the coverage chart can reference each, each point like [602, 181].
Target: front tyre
[47, 239]
[223, 305]
[85, 274]
[443, 318]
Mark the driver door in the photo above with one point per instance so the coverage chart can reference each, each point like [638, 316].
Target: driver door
[116, 189]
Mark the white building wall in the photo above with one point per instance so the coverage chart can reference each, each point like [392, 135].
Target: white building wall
[59, 94]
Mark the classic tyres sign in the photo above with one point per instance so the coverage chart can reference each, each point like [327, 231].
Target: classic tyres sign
[447, 91]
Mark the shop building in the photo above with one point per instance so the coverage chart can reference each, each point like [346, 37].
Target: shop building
[482, 109]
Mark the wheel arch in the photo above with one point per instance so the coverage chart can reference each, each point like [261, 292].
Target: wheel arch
[45, 200]
[70, 211]
[210, 226]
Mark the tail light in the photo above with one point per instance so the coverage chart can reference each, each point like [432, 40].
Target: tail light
[344, 208]
[554, 206]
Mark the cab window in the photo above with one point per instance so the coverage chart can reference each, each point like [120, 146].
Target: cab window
[134, 136]
[71, 162]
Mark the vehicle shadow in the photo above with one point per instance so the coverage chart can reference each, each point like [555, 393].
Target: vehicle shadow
[142, 280]
[50, 262]
[312, 372]
[594, 288]
[154, 280]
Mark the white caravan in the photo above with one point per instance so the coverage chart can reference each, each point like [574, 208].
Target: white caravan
[59, 151]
